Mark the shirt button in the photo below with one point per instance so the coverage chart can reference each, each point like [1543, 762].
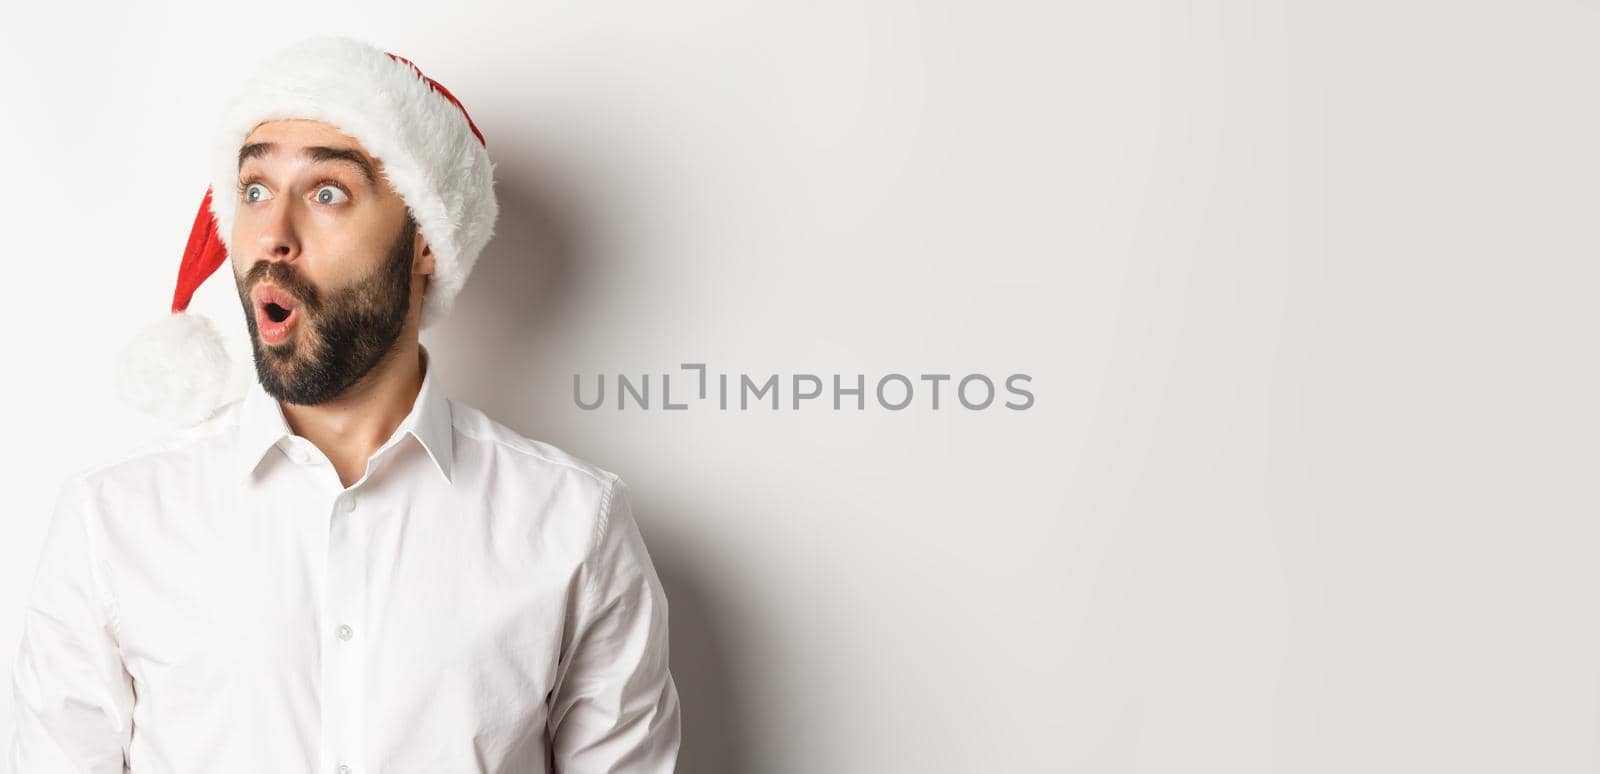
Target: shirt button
[344, 769]
[348, 504]
[345, 632]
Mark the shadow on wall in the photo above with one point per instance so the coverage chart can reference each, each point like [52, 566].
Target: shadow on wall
[712, 735]
[523, 294]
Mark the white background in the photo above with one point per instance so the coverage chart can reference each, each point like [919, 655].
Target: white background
[1306, 292]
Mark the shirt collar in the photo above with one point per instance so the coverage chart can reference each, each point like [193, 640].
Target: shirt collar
[262, 424]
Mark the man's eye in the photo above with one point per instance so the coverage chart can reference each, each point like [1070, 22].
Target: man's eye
[255, 192]
[331, 194]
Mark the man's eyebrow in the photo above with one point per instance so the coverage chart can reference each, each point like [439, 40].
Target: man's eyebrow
[316, 153]
[350, 155]
[255, 150]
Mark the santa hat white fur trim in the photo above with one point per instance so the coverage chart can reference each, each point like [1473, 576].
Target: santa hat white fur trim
[430, 155]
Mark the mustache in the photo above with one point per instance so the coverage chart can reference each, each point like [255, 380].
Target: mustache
[283, 275]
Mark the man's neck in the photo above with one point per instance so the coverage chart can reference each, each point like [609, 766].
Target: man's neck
[350, 427]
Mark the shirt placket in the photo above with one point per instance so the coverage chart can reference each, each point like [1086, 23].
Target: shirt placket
[346, 646]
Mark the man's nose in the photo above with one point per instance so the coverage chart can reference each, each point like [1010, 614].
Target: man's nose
[278, 240]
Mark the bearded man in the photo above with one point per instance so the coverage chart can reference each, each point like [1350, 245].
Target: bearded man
[344, 571]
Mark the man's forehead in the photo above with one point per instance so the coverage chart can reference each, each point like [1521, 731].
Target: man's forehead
[293, 134]
[312, 140]
[306, 130]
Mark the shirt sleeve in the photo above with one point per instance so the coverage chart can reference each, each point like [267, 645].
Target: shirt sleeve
[615, 707]
[73, 695]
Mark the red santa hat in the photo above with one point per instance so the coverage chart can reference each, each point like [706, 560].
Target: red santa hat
[433, 156]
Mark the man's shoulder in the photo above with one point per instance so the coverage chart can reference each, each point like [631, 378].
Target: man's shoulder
[175, 450]
[494, 437]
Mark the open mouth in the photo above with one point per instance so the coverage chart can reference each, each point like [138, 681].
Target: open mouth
[276, 313]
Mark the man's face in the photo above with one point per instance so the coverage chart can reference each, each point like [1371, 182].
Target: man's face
[323, 256]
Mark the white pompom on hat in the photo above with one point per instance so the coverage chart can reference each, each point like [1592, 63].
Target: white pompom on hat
[433, 156]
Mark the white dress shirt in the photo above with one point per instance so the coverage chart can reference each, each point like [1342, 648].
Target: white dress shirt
[220, 602]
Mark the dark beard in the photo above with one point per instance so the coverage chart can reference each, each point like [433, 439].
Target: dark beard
[342, 335]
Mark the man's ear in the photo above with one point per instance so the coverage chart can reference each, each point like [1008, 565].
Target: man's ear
[424, 254]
